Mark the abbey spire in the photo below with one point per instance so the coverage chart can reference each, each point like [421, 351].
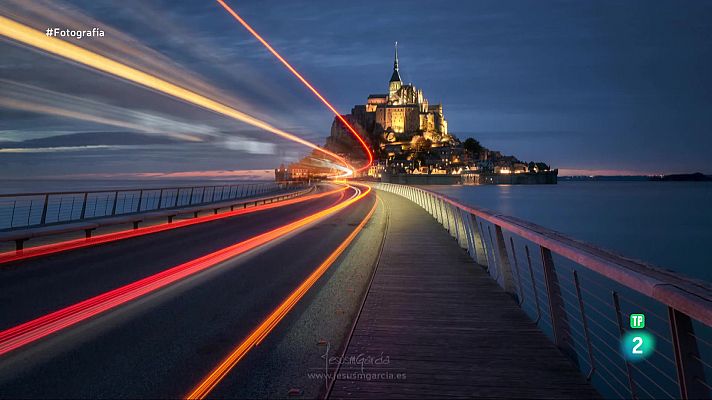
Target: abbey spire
[395, 83]
[396, 76]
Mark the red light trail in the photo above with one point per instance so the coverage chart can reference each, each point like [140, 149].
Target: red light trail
[43, 250]
[289, 66]
[36, 329]
[208, 383]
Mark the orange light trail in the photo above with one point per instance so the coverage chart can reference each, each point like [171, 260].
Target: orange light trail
[289, 66]
[32, 37]
[36, 329]
[67, 245]
[209, 383]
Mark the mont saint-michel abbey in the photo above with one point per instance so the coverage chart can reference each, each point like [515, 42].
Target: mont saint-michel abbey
[403, 112]
[410, 139]
[393, 118]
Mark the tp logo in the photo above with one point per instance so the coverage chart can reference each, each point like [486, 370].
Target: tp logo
[637, 321]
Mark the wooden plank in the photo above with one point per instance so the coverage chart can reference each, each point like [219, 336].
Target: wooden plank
[446, 326]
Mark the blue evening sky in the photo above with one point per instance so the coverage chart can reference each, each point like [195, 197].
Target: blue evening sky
[582, 85]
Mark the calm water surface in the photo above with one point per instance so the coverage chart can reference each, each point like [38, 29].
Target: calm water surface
[664, 223]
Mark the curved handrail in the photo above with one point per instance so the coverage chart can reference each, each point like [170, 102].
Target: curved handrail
[578, 317]
[682, 293]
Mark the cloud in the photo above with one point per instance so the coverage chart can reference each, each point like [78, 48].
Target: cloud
[58, 149]
[90, 139]
[18, 96]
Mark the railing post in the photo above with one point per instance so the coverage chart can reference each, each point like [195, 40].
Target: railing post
[531, 277]
[494, 267]
[467, 224]
[628, 369]
[458, 225]
[450, 220]
[584, 322]
[445, 216]
[71, 209]
[84, 206]
[559, 321]
[140, 200]
[160, 199]
[463, 228]
[453, 212]
[517, 271]
[439, 211]
[690, 371]
[480, 255]
[113, 207]
[503, 265]
[44, 210]
[12, 216]
[453, 224]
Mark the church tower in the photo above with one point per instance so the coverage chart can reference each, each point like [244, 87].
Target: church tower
[395, 82]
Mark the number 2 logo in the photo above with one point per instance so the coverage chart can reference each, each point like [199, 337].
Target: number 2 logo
[639, 342]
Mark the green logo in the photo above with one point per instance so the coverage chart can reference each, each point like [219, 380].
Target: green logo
[637, 321]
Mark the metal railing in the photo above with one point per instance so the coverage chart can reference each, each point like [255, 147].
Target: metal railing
[581, 297]
[37, 209]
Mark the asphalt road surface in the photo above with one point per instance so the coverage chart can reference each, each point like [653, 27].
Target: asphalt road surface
[164, 343]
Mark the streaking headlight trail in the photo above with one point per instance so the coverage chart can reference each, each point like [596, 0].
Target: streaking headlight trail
[32, 37]
[39, 328]
[289, 66]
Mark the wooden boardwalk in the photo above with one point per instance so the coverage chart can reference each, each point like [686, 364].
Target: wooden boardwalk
[434, 324]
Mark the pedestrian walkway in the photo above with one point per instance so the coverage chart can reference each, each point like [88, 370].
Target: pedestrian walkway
[435, 324]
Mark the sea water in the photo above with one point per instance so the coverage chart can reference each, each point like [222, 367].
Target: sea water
[668, 224]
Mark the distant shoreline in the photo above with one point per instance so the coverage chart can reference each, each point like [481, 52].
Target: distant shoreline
[693, 177]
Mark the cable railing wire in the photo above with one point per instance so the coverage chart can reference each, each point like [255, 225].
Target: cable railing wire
[533, 271]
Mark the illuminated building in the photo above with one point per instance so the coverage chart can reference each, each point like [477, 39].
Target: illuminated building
[392, 119]
[402, 113]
